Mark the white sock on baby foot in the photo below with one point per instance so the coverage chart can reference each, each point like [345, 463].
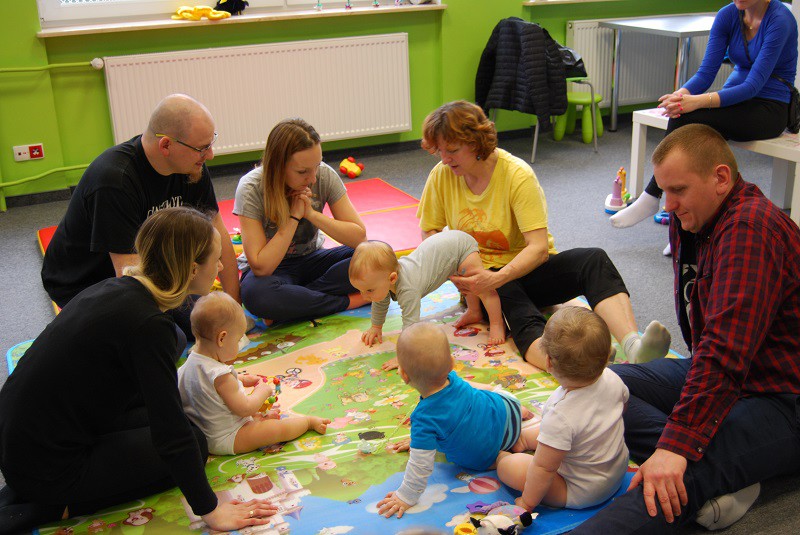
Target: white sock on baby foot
[722, 511]
[642, 208]
[653, 344]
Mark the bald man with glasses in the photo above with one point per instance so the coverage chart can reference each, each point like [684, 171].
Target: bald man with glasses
[163, 167]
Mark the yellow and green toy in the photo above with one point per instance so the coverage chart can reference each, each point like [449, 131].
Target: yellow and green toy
[198, 12]
[270, 401]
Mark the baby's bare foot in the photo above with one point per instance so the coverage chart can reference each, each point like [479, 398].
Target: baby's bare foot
[320, 425]
[390, 364]
[468, 318]
[497, 333]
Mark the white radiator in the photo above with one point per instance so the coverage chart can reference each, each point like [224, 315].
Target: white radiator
[647, 62]
[346, 88]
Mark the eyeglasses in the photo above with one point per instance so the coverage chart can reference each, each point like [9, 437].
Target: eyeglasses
[200, 151]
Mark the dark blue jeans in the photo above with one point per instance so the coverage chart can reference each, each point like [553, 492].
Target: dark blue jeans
[305, 287]
[759, 439]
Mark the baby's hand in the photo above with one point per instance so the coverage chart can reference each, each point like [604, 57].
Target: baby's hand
[391, 504]
[249, 380]
[400, 445]
[372, 335]
[264, 389]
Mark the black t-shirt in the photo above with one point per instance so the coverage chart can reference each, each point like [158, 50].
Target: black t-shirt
[110, 352]
[117, 192]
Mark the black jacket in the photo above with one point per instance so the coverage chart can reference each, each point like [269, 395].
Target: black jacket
[521, 69]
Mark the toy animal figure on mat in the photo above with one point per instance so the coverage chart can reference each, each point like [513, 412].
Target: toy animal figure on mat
[501, 524]
[234, 7]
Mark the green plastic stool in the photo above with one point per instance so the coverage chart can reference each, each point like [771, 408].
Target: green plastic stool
[566, 123]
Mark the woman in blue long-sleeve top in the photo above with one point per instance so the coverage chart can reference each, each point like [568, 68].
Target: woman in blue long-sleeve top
[760, 38]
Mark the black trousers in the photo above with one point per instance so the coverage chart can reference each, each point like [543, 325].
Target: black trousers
[751, 120]
[121, 466]
[588, 272]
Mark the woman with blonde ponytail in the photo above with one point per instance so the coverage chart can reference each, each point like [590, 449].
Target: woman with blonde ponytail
[98, 389]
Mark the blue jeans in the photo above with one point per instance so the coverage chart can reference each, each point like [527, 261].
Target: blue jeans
[304, 287]
[759, 439]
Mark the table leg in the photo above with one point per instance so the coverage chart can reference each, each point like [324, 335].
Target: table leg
[682, 66]
[638, 146]
[615, 82]
[783, 177]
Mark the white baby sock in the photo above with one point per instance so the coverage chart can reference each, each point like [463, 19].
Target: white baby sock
[653, 344]
[667, 250]
[642, 208]
[722, 511]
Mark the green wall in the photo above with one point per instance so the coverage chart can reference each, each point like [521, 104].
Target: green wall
[67, 110]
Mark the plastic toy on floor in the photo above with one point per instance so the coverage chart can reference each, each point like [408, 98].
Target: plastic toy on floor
[270, 401]
[198, 12]
[619, 196]
[234, 7]
[662, 217]
[501, 524]
[350, 168]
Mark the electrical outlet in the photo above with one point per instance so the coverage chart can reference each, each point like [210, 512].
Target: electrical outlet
[23, 153]
[36, 151]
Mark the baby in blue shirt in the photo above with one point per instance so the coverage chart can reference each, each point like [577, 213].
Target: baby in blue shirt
[450, 415]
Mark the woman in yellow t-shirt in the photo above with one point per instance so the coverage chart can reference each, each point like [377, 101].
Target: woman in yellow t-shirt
[495, 196]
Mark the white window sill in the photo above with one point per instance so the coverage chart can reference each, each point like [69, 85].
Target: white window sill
[553, 2]
[251, 16]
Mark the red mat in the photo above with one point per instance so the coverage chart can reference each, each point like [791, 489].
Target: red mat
[388, 213]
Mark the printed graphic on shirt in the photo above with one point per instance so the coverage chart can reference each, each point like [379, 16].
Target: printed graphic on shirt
[474, 221]
[172, 202]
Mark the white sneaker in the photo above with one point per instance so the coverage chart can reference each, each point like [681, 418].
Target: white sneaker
[722, 511]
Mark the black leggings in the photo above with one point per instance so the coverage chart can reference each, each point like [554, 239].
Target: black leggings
[122, 466]
[588, 272]
[751, 120]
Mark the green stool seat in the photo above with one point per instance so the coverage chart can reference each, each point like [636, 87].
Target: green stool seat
[566, 123]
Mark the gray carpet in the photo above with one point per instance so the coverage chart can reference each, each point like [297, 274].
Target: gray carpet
[576, 182]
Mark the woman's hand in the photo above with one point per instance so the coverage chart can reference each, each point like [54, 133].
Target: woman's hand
[479, 283]
[677, 103]
[234, 515]
[301, 203]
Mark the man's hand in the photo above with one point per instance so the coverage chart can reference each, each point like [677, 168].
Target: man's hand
[391, 504]
[476, 284]
[661, 477]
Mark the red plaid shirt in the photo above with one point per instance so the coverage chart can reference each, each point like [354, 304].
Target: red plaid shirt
[744, 320]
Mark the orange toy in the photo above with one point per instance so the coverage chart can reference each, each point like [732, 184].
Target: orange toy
[270, 401]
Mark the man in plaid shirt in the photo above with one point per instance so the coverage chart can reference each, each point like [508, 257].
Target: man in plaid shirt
[710, 428]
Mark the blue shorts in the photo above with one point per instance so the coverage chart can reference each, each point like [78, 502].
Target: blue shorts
[513, 421]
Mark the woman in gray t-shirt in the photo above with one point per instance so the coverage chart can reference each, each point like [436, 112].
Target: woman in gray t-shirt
[286, 274]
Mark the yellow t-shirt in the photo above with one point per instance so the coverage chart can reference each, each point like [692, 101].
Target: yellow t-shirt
[511, 204]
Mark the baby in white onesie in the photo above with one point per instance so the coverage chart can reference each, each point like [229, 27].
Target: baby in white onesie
[214, 395]
[581, 456]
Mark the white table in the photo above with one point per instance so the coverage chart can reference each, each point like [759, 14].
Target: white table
[784, 150]
[684, 27]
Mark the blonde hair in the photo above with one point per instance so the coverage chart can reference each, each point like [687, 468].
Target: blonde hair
[460, 122]
[704, 147]
[370, 256]
[169, 243]
[578, 343]
[423, 353]
[214, 313]
[286, 138]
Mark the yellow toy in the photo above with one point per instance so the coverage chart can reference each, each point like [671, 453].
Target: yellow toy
[198, 12]
[350, 168]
